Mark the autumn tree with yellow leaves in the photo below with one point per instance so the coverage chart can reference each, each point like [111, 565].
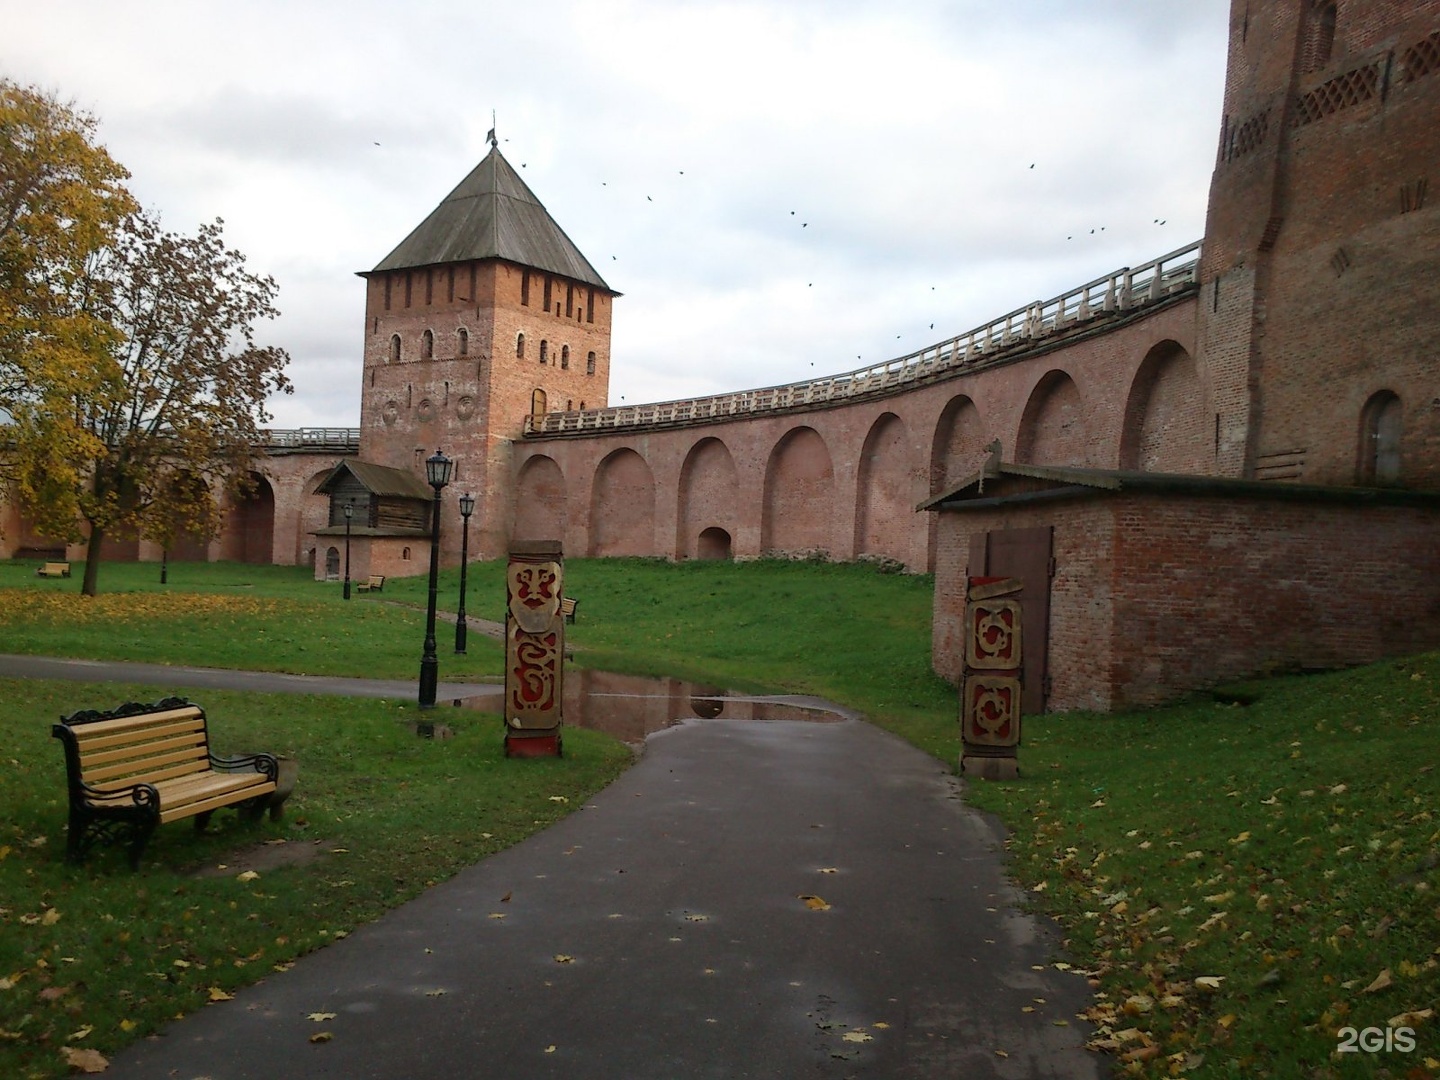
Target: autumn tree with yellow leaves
[130, 377]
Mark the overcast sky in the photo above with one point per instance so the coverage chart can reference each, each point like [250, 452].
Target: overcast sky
[780, 189]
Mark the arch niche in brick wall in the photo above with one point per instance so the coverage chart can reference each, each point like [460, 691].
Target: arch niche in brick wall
[885, 519]
[541, 501]
[250, 526]
[622, 506]
[709, 497]
[1165, 414]
[958, 447]
[1054, 429]
[799, 501]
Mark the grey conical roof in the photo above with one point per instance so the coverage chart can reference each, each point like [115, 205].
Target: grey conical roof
[493, 215]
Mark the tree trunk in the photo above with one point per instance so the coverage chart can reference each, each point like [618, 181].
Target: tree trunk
[92, 560]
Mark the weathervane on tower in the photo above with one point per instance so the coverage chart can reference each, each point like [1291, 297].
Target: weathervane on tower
[490, 135]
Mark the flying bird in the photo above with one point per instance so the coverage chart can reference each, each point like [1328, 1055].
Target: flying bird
[1032, 165]
[648, 199]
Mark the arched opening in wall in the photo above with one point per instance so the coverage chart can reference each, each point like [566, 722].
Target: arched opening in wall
[462, 342]
[541, 501]
[708, 494]
[1380, 428]
[590, 364]
[713, 543]
[957, 448]
[427, 345]
[1165, 428]
[885, 520]
[622, 506]
[190, 539]
[537, 402]
[544, 351]
[1053, 428]
[249, 530]
[332, 564]
[519, 346]
[394, 348]
[799, 500]
[565, 358]
[405, 554]
[314, 512]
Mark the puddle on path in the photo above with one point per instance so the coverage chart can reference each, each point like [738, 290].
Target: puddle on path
[631, 707]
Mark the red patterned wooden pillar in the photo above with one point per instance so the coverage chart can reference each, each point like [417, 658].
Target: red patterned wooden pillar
[534, 649]
[990, 689]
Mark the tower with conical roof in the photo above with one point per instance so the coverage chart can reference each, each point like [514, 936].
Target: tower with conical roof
[485, 313]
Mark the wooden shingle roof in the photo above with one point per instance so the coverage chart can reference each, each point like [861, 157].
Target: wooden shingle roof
[492, 214]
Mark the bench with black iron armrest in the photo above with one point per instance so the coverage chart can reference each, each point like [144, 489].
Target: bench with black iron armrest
[568, 604]
[375, 584]
[54, 569]
[140, 766]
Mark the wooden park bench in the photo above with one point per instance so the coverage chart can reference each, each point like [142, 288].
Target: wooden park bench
[375, 584]
[568, 604]
[139, 766]
[54, 569]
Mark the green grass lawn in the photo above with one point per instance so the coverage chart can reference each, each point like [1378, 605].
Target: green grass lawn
[1242, 881]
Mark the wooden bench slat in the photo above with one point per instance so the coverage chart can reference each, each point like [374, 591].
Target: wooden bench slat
[125, 738]
[213, 803]
[149, 766]
[189, 789]
[130, 723]
[195, 765]
[139, 753]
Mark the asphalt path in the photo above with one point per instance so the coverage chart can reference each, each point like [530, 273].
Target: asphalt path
[767, 899]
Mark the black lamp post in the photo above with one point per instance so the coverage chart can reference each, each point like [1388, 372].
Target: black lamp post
[164, 565]
[438, 468]
[467, 507]
[349, 513]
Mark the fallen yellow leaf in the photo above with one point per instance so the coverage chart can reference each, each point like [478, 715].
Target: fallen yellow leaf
[89, 1061]
[322, 1036]
[76, 1036]
[216, 994]
[50, 918]
[562, 958]
[1383, 981]
[320, 1018]
[550, 1049]
[857, 1037]
[248, 875]
[814, 903]
[1209, 982]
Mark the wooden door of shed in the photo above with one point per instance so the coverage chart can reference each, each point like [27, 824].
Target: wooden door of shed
[1023, 554]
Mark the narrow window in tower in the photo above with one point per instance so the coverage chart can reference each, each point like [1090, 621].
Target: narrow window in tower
[471, 297]
[372, 376]
[462, 342]
[547, 292]
[452, 284]
[524, 288]
[519, 346]
[430, 286]
[537, 403]
[375, 325]
[1319, 36]
[1380, 425]
[427, 346]
[589, 366]
[590, 306]
[544, 351]
[387, 291]
[447, 398]
[409, 398]
[582, 406]
[394, 348]
[408, 284]
[564, 357]
[569, 300]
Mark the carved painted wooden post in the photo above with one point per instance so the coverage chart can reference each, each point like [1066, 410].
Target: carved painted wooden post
[990, 690]
[534, 649]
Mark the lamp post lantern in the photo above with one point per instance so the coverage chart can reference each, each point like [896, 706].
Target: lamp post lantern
[349, 513]
[438, 468]
[467, 507]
